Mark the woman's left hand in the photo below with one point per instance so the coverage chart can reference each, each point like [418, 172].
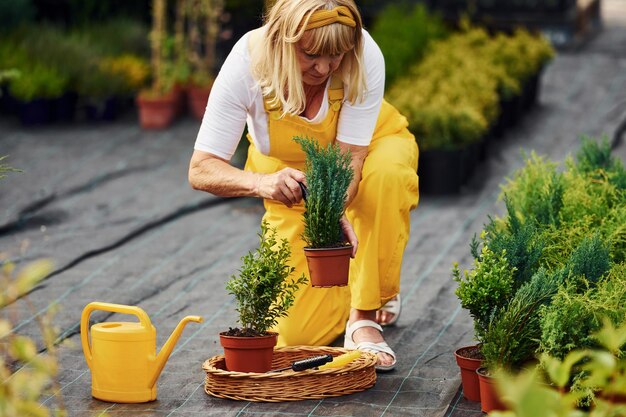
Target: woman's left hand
[349, 234]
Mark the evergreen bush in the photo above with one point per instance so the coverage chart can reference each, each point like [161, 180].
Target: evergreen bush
[263, 288]
[563, 241]
[328, 175]
[403, 33]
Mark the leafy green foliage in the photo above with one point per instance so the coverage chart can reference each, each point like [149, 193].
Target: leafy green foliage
[533, 393]
[403, 33]
[263, 290]
[21, 391]
[25, 373]
[590, 259]
[574, 315]
[595, 158]
[513, 334]
[38, 81]
[486, 288]
[328, 175]
[446, 108]
[6, 168]
[569, 227]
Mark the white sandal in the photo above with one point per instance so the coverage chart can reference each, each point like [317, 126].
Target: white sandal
[380, 347]
[393, 306]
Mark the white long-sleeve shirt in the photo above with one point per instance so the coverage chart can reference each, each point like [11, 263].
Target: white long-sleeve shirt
[236, 99]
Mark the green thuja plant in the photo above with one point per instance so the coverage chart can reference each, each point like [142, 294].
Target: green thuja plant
[263, 288]
[594, 157]
[521, 242]
[328, 176]
[577, 309]
[512, 336]
[591, 259]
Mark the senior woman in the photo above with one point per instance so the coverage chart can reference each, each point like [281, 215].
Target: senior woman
[312, 70]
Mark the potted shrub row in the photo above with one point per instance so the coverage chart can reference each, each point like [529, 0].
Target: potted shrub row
[64, 72]
[548, 271]
[454, 116]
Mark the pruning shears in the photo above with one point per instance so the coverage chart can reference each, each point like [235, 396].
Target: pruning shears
[305, 191]
[307, 363]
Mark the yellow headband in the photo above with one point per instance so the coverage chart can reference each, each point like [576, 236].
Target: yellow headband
[340, 14]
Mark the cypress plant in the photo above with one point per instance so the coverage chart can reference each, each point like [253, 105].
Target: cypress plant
[328, 174]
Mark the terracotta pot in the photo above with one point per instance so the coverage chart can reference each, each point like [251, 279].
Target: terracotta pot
[248, 354]
[328, 267]
[197, 98]
[489, 396]
[180, 95]
[469, 377]
[156, 112]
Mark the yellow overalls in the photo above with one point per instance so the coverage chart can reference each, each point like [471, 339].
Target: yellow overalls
[379, 214]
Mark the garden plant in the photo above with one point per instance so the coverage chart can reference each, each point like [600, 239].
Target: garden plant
[328, 176]
[264, 291]
[553, 267]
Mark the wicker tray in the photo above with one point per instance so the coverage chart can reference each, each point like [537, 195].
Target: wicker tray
[311, 384]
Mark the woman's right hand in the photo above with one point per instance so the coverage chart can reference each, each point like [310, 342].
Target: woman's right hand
[281, 186]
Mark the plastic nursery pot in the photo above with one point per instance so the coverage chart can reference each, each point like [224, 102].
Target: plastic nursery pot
[156, 112]
[467, 361]
[248, 354]
[328, 267]
[489, 396]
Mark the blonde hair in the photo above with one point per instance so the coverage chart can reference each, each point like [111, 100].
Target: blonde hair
[274, 61]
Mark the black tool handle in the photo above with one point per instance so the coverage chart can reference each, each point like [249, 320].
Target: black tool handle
[305, 191]
[309, 363]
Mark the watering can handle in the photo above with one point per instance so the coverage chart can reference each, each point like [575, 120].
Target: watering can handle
[114, 308]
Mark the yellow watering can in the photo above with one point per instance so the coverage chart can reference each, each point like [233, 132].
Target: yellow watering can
[122, 356]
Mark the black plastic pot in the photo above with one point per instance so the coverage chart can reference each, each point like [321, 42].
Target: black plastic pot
[36, 112]
[8, 103]
[64, 107]
[441, 171]
[106, 109]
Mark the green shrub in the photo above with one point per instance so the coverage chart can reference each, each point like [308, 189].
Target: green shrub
[564, 226]
[328, 175]
[38, 81]
[512, 336]
[403, 33]
[116, 37]
[574, 315]
[485, 289]
[521, 242]
[263, 290]
[445, 108]
[595, 158]
[547, 392]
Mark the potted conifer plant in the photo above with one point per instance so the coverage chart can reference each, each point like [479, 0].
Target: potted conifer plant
[264, 292]
[328, 175]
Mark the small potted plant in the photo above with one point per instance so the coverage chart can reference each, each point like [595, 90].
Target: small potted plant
[481, 291]
[203, 28]
[157, 105]
[264, 292]
[328, 175]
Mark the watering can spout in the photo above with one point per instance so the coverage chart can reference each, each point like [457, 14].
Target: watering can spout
[167, 348]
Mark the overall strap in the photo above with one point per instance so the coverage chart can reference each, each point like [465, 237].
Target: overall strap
[274, 107]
